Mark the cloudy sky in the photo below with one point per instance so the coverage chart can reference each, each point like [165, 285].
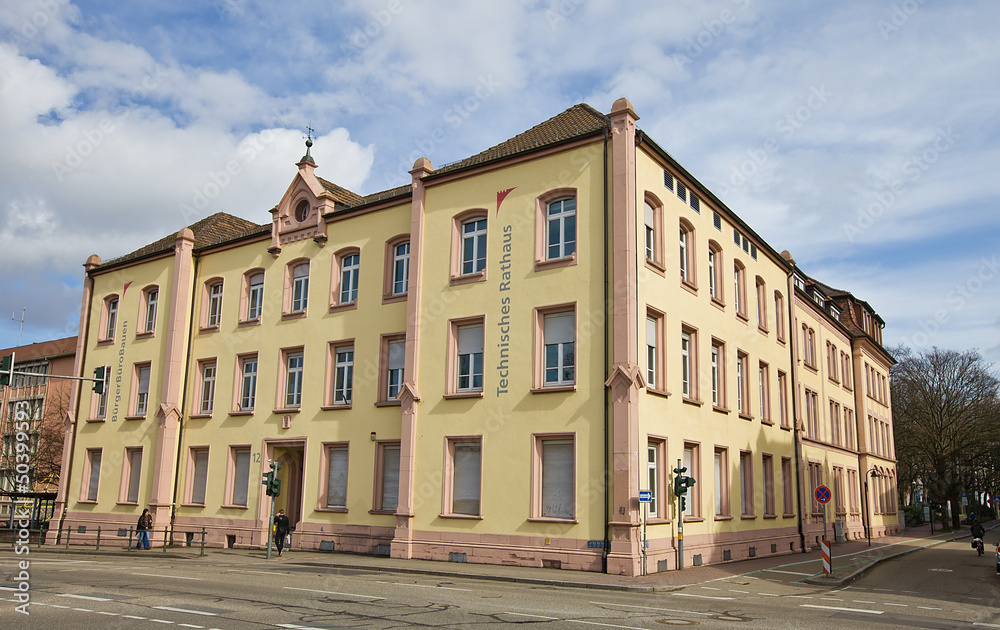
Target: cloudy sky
[861, 135]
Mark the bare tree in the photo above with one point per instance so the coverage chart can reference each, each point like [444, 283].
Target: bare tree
[945, 418]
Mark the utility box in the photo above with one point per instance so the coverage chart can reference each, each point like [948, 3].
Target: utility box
[838, 530]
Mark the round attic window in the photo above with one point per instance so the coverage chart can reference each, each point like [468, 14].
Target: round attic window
[302, 211]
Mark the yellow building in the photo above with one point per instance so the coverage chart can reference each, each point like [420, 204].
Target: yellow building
[486, 365]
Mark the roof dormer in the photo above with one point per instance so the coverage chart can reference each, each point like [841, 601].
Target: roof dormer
[299, 214]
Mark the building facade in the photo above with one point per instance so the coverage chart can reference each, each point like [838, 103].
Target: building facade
[485, 365]
[31, 453]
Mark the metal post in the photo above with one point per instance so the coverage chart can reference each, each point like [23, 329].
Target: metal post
[202, 541]
[129, 548]
[68, 530]
[98, 538]
[645, 517]
[680, 530]
[165, 528]
[270, 529]
[868, 518]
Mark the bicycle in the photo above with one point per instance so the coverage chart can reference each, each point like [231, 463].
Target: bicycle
[977, 544]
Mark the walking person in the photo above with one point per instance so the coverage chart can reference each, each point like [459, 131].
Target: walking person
[280, 530]
[144, 525]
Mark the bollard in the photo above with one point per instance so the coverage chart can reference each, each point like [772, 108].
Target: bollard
[98, 538]
[164, 540]
[129, 548]
[202, 541]
[68, 530]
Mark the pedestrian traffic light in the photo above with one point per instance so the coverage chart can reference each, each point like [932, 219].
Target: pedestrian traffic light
[683, 504]
[268, 483]
[6, 369]
[100, 379]
[275, 487]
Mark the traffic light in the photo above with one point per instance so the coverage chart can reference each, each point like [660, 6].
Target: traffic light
[683, 504]
[682, 482]
[268, 483]
[100, 379]
[276, 487]
[271, 483]
[6, 369]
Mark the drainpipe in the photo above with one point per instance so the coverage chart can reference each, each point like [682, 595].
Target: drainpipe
[792, 337]
[607, 318]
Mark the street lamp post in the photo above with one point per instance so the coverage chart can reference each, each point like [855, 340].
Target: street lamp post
[873, 473]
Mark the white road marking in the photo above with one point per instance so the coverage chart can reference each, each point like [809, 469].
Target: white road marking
[604, 625]
[312, 590]
[447, 588]
[132, 617]
[801, 596]
[532, 616]
[175, 577]
[832, 599]
[983, 623]
[733, 590]
[859, 610]
[709, 588]
[687, 612]
[701, 596]
[162, 621]
[928, 608]
[185, 610]
[769, 594]
[261, 572]
[82, 609]
[891, 604]
[189, 625]
[104, 612]
[87, 597]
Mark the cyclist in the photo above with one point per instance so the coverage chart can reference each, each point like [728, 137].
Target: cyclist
[978, 531]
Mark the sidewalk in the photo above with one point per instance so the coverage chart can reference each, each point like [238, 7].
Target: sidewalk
[850, 560]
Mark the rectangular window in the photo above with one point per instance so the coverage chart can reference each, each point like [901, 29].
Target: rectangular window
[142, 389]
[199, 481]
[133, 463]
[767, 464]
[396, 362]
[152, 296]
[559, 330]
[470, 358]
[293, 380]
[473, 246]
[779, 316]
[255, 297]
[558, 486]
[692, 461]
[681, 191]
[653, 475]
[849, 440]
[349, 269]
[717, 221]
[684, 253]
[248, 383]
[812, 415]
[782, 399]
[668, 180]
[721, 478]
[761, 304]
[388, 487]
[561, 228]
[746, 484]
[652, 353]
[787, 489]
[742, 405]
[343, 375]
[300, 288]
[336, 484]
[208, 371]
[712, 282]
[718, 374]
[764, 391]
[739, 290]
[240, 462]
[214, 305]
[838, 491]
[93, 473]
[400, 269]
[466, 460]
[686, 371]
[815, 480]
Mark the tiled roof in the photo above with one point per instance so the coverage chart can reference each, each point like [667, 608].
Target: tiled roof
[212, 230]
[579, 120]
[340, 194]
[44, 349]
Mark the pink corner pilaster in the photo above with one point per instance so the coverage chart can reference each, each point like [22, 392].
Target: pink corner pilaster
[625, 380]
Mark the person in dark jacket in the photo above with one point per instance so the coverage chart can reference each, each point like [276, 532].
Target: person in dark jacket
[143, 526]
[280, 530]
[978, 531]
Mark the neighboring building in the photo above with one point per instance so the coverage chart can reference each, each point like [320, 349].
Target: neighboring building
[45, 404]
[487, 365]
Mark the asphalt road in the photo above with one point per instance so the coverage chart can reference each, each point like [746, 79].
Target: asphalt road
[944, 587]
